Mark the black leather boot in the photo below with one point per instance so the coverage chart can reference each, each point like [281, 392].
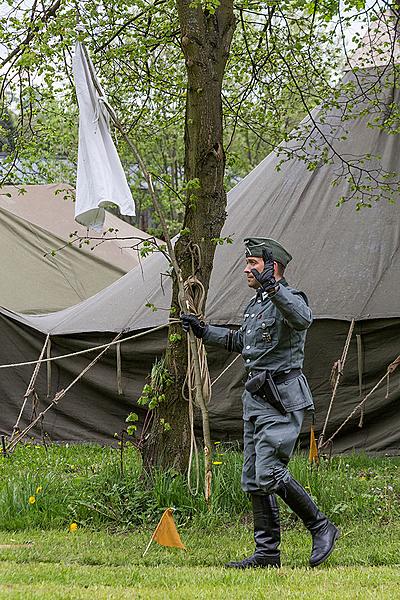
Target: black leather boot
[267, 534]
[324, 533]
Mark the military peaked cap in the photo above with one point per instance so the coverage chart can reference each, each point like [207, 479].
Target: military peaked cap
[255, 247]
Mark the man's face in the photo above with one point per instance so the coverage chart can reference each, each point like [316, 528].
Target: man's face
[253, 262]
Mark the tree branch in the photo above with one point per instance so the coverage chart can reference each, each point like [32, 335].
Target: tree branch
[51, 12]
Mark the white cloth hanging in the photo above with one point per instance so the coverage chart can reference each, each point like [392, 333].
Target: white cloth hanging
[100, 180]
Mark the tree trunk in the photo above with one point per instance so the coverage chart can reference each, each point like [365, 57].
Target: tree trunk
[205, 40]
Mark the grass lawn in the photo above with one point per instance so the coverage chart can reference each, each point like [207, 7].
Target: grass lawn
[99, 565]
[43, 491]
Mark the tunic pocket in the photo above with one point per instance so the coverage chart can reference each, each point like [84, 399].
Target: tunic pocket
[295, 394]
[264, 334]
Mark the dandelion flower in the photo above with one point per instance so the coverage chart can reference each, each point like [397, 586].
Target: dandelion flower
[73, 527]
[31, 499]
[38, 489]
[217, 462]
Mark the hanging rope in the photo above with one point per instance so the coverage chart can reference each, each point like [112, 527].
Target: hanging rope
[193, 453]
[337, 372]
[195, 294]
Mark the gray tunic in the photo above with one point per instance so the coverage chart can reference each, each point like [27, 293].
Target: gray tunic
[272, 337]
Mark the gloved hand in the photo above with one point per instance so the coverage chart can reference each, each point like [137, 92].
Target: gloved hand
[266, 278]
[191, 321]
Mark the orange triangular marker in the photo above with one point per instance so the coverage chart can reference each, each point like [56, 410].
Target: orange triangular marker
[166, 532]
[313, 453]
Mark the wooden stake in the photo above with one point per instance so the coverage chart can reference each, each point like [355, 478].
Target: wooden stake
[340, 373]
[148, 546]
[3, 445]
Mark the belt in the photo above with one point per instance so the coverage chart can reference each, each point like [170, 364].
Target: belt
[282, 376]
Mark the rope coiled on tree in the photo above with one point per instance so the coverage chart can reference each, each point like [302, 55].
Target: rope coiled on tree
[195, 294]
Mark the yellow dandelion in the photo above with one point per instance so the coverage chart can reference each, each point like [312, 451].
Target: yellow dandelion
[73, 527]
[38, 489]
[31, 499]
[217, 462]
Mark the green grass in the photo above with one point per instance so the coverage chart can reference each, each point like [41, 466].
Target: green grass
[117, 513]
[94, 565]
[85, 484]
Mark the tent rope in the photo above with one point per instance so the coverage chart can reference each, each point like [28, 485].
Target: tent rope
[31, 386]
[226, 369]
[78, 352]
[58, 396]
[391, 368]
[198, 299]
[337, 372]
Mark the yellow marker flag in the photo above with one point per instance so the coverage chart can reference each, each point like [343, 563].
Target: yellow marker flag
[166, 533]
[313, 453]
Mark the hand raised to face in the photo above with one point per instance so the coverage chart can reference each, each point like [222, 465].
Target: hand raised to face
[266, 278]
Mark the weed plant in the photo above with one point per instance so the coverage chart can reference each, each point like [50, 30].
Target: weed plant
[49, 488]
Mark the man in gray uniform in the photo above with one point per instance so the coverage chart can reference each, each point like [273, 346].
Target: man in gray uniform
[276, 397]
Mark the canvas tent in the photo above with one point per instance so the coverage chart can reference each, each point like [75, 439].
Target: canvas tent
[347, 262]
[40, 220]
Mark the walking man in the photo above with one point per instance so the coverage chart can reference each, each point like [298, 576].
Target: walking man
[276, 397]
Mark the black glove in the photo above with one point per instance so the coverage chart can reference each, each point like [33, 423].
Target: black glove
[266, 279]
[191, 321]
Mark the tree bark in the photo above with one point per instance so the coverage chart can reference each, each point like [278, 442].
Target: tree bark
[205, 41]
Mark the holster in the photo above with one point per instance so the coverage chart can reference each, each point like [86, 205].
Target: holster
[263, 386]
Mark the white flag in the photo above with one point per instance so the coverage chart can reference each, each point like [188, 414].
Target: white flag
[100, 178]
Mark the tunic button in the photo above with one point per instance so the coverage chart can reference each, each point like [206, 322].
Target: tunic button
[252, 315]
[263, 325]
[247, 360]
[247, 347]
[258, 301]
[249, 331]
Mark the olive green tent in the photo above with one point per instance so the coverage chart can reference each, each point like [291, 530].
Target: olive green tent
[36, 220]
[347, 262]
